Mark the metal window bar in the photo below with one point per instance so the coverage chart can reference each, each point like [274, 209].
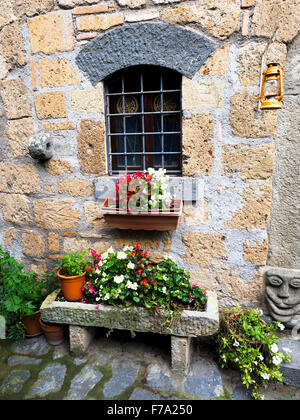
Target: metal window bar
[143, 133]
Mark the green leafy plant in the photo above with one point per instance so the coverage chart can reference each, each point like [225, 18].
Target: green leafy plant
[73, 263]
[246, 342]
[20, 293]
[128, 278]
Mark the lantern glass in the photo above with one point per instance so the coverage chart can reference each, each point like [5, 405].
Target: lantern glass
[272, 87]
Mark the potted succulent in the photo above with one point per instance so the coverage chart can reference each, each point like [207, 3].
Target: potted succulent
[21, 295]
[71, 271]
[142, 202]
[247, 343]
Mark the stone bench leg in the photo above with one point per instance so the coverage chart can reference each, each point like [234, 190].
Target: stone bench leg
[180, 353]
[80, 339]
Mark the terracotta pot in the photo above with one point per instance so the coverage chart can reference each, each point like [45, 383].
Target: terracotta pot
[161, 220]
[54, 333]
[32, 325]
[71, 286]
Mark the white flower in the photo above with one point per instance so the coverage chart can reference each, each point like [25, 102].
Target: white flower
[127, 248]
[265, 376]
[121, 255]
[164, 289]
[97, 299]
[130, 265]
[276, 360]
[110, 250]
[107, 296]
[97, 271]
[261, 357]
[236, 344]
[131, 285]
[165, 277]
[119, 279]
[103, 274]
[281, 326]
[274, 348]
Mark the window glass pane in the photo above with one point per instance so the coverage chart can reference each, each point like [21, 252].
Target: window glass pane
[151, 79]
[132, 81]
[116, 125]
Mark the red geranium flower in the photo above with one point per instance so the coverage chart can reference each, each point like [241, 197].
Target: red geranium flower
[144, 282]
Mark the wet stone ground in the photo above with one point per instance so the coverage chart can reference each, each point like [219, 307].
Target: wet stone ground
[118, 368]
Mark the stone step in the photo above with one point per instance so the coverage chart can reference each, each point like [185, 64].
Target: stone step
[291, 371]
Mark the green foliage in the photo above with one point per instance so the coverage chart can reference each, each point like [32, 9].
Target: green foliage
[73, 263]
[248, 343]
[127, 278]
[20, 292]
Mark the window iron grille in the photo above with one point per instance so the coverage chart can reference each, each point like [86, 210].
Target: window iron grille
[143, 120]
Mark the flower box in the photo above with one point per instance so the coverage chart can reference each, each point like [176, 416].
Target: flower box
[162, 220]
[82, 316]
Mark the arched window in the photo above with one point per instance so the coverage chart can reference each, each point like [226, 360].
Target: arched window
[143, 119]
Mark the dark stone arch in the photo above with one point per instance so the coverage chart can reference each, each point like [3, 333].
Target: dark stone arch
[156, 44]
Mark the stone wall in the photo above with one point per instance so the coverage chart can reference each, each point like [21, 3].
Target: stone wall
[49, 208]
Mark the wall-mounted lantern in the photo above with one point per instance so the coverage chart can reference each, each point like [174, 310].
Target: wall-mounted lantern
[272, 90]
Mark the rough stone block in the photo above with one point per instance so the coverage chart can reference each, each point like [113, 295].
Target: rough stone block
[55, 214]
[75, 187]
[15, 96]
[203, 248]
[221, 18]
[89, 100]
[19, 133]
[19, 178]
[6, 13]
[251, 162]
[246, 122]
[53, 243]
[256, 253]
[291, 371]
[198, 145]
[31, 7]
[255, 211]
[12, 45]
[80, 339]
[100, 8]
[15, 208]
[200, 94]
[180, 353]
[57, 72]
[268, 15]
[50, 105]
[217, 64]
[99, 22]
[59, 36]
[33, 245]
[91, 147]
[58, 167]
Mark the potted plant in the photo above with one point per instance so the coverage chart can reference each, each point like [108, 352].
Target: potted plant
[54, 333]
[247, 343]
[71, 271]
[21, 295]
[143, 202]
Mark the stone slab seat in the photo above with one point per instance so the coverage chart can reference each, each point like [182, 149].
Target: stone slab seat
[83, 318]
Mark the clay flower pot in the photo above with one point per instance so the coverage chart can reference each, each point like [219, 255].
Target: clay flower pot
[54, 333]
[71, 286]
[32, 325]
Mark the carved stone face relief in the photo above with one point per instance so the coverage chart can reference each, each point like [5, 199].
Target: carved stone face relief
[282, 293]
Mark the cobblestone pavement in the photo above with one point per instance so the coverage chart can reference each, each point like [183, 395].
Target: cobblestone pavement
[118, 368]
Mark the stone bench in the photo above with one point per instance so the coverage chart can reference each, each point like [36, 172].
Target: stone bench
[83, 318]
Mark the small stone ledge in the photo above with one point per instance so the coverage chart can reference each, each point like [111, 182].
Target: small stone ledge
[156, 44]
